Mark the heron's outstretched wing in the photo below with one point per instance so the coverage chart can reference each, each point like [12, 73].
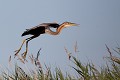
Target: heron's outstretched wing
[34, 31]
[40, 29]
[54, 25]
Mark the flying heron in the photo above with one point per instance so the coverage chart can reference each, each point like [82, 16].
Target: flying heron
[42, 29]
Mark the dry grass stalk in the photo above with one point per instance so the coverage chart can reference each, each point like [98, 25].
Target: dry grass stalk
[47, 73]
[31, 59]
[35, 75]
[108, 50]
[21, 73]
[10, 58]
[68, 54]
[119, 49]
[76, 47]
[9, 61]
[113, 58]
[38, 54]
[37, 62]
[21, 59]
[9, 78]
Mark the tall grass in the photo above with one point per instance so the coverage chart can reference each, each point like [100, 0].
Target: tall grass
[84, 71]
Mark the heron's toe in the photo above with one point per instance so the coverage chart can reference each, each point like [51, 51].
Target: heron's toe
[24, 55]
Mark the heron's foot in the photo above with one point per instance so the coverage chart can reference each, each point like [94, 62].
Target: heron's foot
[24, 55]
[17, 51]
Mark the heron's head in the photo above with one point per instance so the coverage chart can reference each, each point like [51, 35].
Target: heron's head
[68, 24]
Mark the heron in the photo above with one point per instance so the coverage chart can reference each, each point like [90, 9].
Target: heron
[35, 31]
[42, 29]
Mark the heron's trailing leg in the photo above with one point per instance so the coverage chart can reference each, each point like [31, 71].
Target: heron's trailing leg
[27, 40]
[17, 51]
[25, 53]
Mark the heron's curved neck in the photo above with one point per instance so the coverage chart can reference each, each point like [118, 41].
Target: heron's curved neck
[58, 30]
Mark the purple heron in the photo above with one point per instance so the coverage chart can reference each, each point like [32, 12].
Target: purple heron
[42, 29]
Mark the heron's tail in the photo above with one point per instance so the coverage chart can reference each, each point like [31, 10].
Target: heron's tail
[25, 33]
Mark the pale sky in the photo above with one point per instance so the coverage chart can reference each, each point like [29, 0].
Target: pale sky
[99, 25]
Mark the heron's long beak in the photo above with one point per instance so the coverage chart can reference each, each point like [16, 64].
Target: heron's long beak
[74, 24]
[70, 24]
